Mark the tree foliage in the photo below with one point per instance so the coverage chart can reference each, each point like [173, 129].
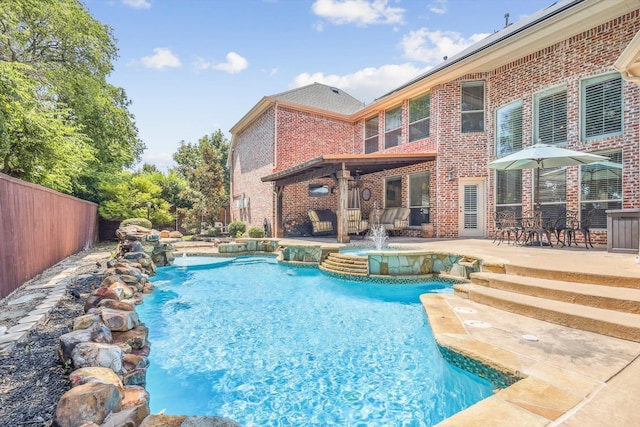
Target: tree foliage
[61, 124]
[203, 165]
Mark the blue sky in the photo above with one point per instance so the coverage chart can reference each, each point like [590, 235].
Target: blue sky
[191, 67]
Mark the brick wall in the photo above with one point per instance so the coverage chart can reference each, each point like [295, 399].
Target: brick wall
[252, 159]
[302, 136]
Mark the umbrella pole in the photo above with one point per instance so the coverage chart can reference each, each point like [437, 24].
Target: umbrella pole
[537, 205]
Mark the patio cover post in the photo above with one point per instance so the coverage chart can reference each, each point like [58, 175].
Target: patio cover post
[343, 195]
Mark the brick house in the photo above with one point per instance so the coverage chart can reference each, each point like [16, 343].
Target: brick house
[563, 76]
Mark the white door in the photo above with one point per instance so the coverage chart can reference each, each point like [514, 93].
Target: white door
[471, 209]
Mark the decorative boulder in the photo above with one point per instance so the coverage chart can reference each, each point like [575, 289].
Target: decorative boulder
[175, 235]
[119, 320]
[90, 402]
[133, 416]
[87, 354]
[135, 337]
[96, 374]
[68, 342]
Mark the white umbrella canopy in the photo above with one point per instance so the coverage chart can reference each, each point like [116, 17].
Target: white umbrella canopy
[544, 156]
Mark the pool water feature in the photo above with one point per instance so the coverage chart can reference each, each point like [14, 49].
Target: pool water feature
[269, 345]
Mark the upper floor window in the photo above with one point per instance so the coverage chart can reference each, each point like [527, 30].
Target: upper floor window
[393, 127]
[509, 129]
[419, 117]
[371, 135]
[472, 107]
[550, 116]
[601, 102]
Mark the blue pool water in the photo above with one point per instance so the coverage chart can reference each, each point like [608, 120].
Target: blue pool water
[268, 345]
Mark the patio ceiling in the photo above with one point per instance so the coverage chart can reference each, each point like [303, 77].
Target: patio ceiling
[329, 165]
[629, 61]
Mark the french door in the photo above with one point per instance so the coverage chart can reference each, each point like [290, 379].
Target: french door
[471, 207]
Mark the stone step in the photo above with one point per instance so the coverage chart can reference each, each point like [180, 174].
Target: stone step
[598, 320]
[345, 267]
[351, 259]
[611, 298]
[615, 279]
[342, 272]
[338, 261]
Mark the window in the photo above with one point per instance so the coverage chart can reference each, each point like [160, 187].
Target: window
[550, 117]
[371, 135]
[509, 129]
[419, 198]
[393, 127]
[419, 117]
[472, 107]
[318, 190]
[601, 102]
[393, 192]
[553, 191]
[509, 191]
[601, 188]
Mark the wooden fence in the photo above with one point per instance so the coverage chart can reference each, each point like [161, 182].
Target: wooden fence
[38, 228]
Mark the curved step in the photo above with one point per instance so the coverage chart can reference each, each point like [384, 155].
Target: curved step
[598, 320]
[618, 299]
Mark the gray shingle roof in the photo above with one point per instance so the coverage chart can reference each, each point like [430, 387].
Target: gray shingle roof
[322, 96]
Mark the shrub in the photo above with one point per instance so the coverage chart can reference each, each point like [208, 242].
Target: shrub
[237, 228]
[256, 232]
[213, 232]
[142, 222]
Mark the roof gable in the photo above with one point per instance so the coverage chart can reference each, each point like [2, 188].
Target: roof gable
[322, 97]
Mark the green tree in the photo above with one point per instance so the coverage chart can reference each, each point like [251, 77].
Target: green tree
[204, 167]
[135, 195]
[55, 59]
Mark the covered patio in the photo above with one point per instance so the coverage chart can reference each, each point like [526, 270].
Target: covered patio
[341, 168]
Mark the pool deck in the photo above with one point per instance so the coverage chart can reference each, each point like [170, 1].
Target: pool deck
[573, 378]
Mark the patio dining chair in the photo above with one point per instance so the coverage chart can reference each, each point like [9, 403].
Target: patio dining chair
[583, 226]
[534, 229]
[506, 224]
[563, 227]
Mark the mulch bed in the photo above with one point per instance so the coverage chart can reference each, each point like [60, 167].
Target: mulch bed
[32, 378]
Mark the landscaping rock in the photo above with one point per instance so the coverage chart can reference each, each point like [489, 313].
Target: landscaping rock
[90, 402]
[135, 337]
[68, 342]
[87, 354]
[97, 375]
[128, 417]
[116, 305]
[119, 320]
[135, 395]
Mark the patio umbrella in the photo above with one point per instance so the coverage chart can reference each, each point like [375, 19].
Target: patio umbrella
[543, 156]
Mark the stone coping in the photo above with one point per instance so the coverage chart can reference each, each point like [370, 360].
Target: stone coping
[538, 397]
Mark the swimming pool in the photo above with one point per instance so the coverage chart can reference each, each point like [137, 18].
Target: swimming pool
[268, 345]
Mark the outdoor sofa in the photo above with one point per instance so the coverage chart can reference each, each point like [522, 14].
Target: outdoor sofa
[392, 219]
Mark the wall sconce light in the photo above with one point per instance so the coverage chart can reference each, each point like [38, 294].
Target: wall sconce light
[333, 190]
[452, 174]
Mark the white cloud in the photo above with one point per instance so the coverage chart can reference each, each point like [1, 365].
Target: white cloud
[366, 84]
[161, 58]
[439, 7]
[137, 4]
[235, 63]
[359, 12]
[163, 161]
[431, 46]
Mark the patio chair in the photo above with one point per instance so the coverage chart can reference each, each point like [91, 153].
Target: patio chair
[355, 223]
[533, 229]
[584, 227]
[563, 226]
[506, 224]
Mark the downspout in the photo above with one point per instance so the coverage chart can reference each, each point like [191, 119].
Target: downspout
[274, 211]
